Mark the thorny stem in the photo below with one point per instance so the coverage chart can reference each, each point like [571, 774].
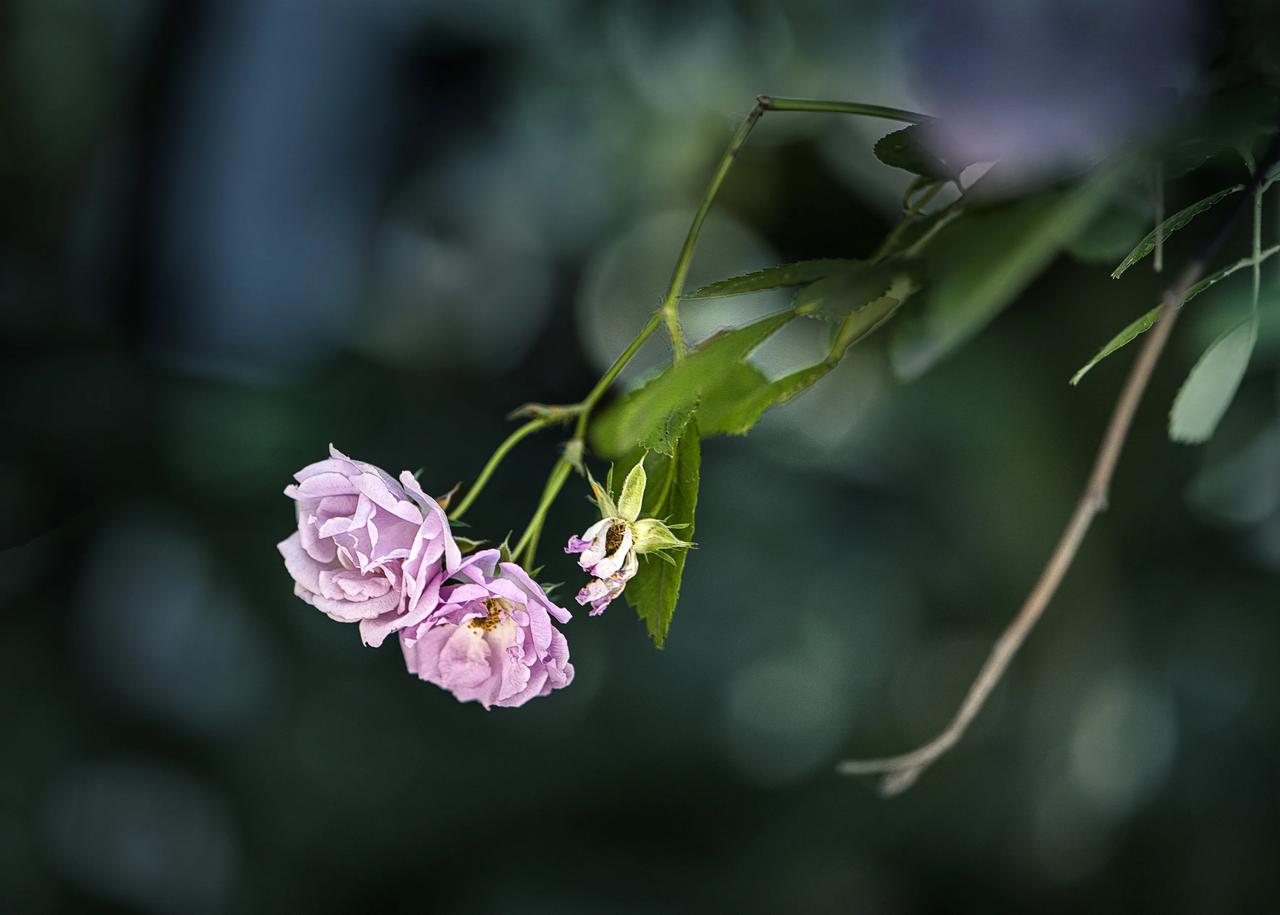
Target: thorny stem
[900, 772]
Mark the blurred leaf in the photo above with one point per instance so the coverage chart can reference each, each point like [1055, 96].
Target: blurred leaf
[654, 416]
[1112, 233]
[1146, 321]
[846, 290]
[1231, 120]
[770, 278]
[1212, 384]
[979, 264]
[1175, 222]
[672, 496]
[911, 149]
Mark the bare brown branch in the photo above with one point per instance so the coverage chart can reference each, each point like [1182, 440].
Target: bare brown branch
[900, 772]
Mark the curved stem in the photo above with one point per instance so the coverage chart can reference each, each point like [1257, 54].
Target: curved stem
[773, 103]
[589, 402]
[668, 312]
[1257, 246]
[914, 210]
[559, 473]
[953, 212]
[512, 440]
[902, 771]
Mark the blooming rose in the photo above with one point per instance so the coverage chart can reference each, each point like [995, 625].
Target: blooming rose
[367, 549]
[609, 550]
[490, 639]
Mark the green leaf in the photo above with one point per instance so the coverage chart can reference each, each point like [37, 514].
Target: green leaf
[863, 322]
[911, 149]
[770, 278]
[1124, 338]
[979, 263]
[655, 589]
[846, 290]
[718, 408]
[1212, 384]
[735, 412]
[1146, 321]
[739, 415]
[1175, 222]
[655, 416]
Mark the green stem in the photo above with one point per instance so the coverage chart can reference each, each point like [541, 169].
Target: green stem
[1257, 246]
[512, 440]
[559, 473]
[589, 402]
[773, 103]
[668, 312]
[670, 302]
[945, 217]
[891, 240]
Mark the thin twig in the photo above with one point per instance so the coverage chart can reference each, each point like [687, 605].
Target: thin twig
[900, 772]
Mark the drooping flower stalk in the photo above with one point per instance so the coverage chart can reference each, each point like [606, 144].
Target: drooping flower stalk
[380, 552]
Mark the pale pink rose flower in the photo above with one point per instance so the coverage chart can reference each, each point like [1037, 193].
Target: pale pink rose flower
[490, 639]
[368, 549]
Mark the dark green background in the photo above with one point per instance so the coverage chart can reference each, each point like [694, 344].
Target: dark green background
[236, 232]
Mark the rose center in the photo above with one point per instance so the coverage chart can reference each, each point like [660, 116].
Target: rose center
[613, 539]
[493, 615]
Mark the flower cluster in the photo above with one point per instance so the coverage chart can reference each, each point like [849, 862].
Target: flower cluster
[379, 552]
[609, 550]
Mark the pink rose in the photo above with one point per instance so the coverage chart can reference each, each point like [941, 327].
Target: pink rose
[367, 549]
[490, 640]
